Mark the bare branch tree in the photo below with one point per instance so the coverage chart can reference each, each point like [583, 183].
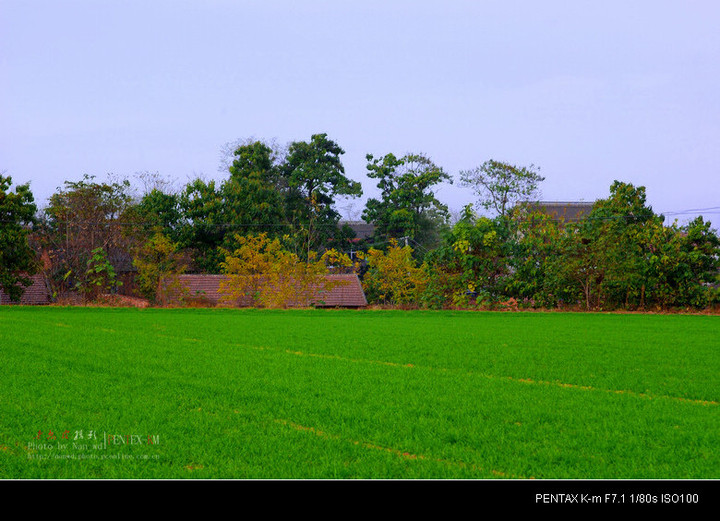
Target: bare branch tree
[500, 186]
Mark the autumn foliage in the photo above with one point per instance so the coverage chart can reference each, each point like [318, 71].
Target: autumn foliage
[393, 277]
[262, 273]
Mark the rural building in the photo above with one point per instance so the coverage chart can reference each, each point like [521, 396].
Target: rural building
[361, 229]
[562, 211]
[35, 294]
[125, 271]
[345, 291]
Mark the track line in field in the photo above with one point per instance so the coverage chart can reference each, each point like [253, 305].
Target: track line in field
[485, 375]
[612, 391]
[355, 360]
[561, 385]
[397, 452]
[530, 381]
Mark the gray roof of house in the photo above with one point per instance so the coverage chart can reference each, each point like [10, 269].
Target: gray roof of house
[571, 211]
[362, 229]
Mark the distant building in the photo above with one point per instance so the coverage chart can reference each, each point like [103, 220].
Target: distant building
[35, 294]
[562, 211]
[362, 229]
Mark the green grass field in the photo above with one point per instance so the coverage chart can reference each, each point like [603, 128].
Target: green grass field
[203, 393]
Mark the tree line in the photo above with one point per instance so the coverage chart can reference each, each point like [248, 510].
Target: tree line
[278, 205]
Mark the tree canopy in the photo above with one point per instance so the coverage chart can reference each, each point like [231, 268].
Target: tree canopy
[81, 217]
[407, 206]
[500, 186]
[95, 237]
[17, 258]
[315, 177]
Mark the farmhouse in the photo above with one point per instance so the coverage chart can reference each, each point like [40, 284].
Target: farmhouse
[343, 290]
[35, 294]
[361, 229]
[562, 211]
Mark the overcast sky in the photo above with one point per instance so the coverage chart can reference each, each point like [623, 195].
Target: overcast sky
[588, 91]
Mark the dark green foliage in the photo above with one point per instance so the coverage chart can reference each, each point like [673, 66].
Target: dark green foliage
[254, 196]
[204, 209]
[619, 256]
[289, 197]
[160, 212]
[315, 176]
[475, 257]
[17, 258]
[536, 262]
[407, 206]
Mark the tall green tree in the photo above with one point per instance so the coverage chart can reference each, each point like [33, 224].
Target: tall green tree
[582, 262]
[315, 177]
[252, 200]
[407, 206]
[682, 264]
[473, 259]
[255, 193]
[204, 226]
[620, 225]
[17, 258]
[159, 212]
[536, 242]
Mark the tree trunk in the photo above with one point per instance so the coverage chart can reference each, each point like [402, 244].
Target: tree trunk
[586, 288]
[642, 297]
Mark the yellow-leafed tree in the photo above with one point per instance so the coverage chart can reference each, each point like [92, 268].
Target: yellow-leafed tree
[393, 277]
[261, 273]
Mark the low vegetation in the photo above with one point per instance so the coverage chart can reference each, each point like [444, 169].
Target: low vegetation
[227, 393]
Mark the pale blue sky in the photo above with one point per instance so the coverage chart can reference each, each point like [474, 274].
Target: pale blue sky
[588, 91]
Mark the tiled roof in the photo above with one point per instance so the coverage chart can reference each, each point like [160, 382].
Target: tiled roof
[563, 211]
[362, 229]
[345, 291]
[36, 293]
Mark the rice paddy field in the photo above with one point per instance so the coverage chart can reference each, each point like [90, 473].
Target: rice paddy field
[108, 393]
